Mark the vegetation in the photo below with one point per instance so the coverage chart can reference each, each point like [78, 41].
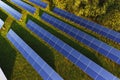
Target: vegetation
[105, 12]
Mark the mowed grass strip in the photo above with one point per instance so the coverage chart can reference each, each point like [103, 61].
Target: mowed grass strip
[88, 52]
[13, 64]
[22, 70]
[58, 62]
[71, 73]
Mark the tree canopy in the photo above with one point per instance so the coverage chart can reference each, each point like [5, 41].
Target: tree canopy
[105, 12]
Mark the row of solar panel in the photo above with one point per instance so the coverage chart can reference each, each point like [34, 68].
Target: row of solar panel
[2, 76]
[111, 34]
[88, 40]
[39, 3]
[1, 23]
[98, 78]
[17, 15]
[92, 69]
[10, 10]
[35, 60]
[24, 5]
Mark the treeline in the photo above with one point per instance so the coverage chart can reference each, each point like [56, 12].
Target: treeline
[105, 12]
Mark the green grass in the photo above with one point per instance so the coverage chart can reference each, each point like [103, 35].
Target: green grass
[3, 16]
[52, 57]
[94, 34]
[16, 67]
[7, 57]
[13, 64]
[96, 57]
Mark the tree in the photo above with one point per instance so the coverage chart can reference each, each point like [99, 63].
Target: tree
[105, 12]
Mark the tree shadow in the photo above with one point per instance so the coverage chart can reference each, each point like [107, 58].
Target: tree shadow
[7, 57]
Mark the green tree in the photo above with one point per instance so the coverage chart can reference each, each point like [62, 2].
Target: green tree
[105, 12]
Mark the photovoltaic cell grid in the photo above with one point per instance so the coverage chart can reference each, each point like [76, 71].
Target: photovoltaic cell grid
[24, 5]
[108, 33]
[2, 76]
[37, 62]
[10, 10]
[39, 3]
[1, 23]
[92, 69]
[97, 45]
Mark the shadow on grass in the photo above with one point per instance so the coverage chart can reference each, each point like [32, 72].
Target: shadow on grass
[70, 42]
[52, 5]
[7, 57]
[85, 50]
[40, 48]
[3, 16]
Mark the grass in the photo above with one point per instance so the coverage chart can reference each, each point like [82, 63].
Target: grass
[3, 16]
[13, 64]
[94, 34]
[52, 57]
[96, 57]
[17, 68]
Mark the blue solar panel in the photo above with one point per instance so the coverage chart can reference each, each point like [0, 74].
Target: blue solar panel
[24, 5]
[32, 57]
[88, 24]
[88, 40]
[39, 3]
[91, 72]
[108, 77]
[84, 63]
[1, 23]
[10, 10]
[115, 58]
[117, 37]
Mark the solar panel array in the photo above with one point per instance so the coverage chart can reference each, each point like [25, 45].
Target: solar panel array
[44, 70]
[108, 33]
[31, 56]
[1, 23]
[92, 69]
[2, 76]
[97, 45]
[10, 10]
[24, 5]
[39, 3]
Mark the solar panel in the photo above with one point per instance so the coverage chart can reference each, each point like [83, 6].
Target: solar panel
[110, 34]
[1, 23]
[24, 5]
[2, 76]
[39, 3]
[33, 58]
[10, 10]
[89, 67]
[88, 40]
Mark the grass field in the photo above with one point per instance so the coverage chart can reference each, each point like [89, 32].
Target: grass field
[16, 67]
